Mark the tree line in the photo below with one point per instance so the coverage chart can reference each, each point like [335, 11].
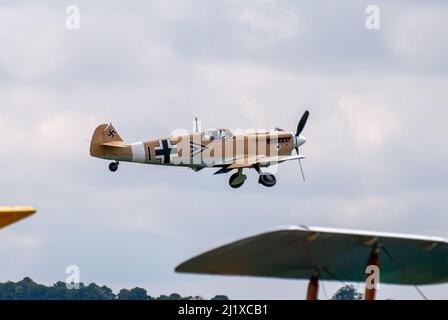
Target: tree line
[27, 289]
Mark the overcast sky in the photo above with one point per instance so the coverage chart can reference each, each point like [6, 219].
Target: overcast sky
[377, 136]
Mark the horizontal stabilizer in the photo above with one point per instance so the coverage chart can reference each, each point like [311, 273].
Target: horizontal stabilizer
[115, 144]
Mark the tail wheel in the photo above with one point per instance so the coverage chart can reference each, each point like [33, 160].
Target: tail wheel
[267, 179]
[237, 180]
[113, 166]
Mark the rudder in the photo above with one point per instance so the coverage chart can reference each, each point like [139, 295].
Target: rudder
[104, 133]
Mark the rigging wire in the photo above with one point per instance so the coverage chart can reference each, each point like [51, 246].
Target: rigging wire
[404, 273]
[324, 290]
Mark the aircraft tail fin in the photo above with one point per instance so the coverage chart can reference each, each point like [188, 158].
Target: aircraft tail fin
[104, 134]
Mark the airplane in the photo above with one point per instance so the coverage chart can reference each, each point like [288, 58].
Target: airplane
[316, 253]
[11, 214]
[222, 149]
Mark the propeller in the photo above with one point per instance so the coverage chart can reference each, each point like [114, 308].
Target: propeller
[302, 123]
[301, 139]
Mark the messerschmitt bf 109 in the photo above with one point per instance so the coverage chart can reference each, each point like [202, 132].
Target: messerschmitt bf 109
[223, 149]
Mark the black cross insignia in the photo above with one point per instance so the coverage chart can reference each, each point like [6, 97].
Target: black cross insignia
[164, 150]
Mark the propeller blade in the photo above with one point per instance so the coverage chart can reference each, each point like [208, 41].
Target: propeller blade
[301, 170]
[300, 164]
[300, 127]
[302, 122]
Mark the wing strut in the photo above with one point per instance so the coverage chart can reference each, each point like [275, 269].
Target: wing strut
[313, 286]
[374, 260]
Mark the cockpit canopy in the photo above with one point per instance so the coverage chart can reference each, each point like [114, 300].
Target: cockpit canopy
[217, 134]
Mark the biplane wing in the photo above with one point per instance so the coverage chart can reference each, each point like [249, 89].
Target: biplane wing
[9, 215]
[297, 252]
[264, 161]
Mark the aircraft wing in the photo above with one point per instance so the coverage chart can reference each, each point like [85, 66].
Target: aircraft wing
[249, 161]
[278, 159]
[10, 215]
[341, 255]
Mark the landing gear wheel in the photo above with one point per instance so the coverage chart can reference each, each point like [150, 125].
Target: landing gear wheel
[113, 166]
[267, 179]
[237, 180]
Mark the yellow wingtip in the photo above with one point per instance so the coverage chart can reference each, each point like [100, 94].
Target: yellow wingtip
[17, 209]
[11, 214]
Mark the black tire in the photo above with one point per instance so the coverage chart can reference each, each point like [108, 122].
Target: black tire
[267, 179]
[232, 178]
[113, 166]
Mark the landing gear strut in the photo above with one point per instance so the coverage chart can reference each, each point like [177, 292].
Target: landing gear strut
[113, 166]
[237, 179]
